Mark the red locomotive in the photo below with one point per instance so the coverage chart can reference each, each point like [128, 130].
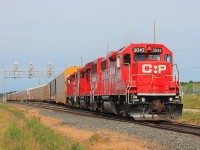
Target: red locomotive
[136, 81]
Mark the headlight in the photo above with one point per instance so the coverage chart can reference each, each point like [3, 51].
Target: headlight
[170, 99]
[143, 99]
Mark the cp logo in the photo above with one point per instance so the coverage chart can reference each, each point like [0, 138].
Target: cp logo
[148, 68]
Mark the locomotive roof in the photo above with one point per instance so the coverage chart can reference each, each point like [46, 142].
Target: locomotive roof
[147, 46]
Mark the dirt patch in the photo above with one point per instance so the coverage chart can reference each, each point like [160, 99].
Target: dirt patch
[100, 140]
[185, 121]
[192, 110]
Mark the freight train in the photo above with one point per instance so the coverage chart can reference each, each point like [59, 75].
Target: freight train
[136, 81]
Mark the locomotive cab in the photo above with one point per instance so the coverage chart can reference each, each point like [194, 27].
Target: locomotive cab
[153, 90]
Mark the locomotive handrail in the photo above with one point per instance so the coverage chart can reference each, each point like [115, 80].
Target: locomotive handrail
[177, 72]
[180, 87]
[92, 90]
[129, 82]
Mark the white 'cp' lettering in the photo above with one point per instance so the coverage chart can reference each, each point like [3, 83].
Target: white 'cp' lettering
[148, 68]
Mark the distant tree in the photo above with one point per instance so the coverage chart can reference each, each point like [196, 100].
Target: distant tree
[183, 83]
[1, 94]
[191, 81]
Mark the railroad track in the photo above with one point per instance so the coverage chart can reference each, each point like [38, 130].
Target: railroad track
[166, 125]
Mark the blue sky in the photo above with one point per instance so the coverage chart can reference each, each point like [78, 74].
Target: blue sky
[63, 31]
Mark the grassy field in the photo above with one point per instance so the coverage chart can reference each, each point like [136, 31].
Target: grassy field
[190, 117]
[191, 101]
[192, 95]
[19, 133]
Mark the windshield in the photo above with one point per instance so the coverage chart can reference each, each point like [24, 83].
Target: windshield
[144, 57]
[154, 57]
[140, 57]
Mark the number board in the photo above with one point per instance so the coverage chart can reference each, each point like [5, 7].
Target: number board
[156, 50]
[139, 50]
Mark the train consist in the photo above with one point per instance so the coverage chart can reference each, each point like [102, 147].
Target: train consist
[135, 81]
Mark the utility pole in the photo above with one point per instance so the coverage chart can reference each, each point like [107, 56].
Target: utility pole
[81, 61]
[4, 86]
[154, 32]
[107, 48]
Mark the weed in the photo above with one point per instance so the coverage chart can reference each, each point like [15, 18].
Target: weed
[17, 113]
[75, 146]
[191, 101]
[191, 117]
[45, 135]
[4, 107]
[13, 132]
[94, 138]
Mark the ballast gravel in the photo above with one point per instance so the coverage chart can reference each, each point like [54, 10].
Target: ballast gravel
[169, 139]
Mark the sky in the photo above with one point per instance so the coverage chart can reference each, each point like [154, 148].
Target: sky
[63, 31]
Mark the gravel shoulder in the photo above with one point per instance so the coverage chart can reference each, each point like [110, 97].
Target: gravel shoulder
[109, 134]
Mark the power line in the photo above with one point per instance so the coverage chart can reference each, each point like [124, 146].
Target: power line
[191, 68]
[178, 16]
[186, 31]
[186, 49]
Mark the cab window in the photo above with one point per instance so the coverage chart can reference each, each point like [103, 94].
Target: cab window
[94, 68]
[139, 57]
[168, 58]
[127, 59]
[82, 75]
[104, 65]
[154, 57]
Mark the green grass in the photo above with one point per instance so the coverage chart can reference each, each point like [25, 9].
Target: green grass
[19, 133]
[45, 136]
[18, 114]
[13, 132]
[191, 101]
[191, 117]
